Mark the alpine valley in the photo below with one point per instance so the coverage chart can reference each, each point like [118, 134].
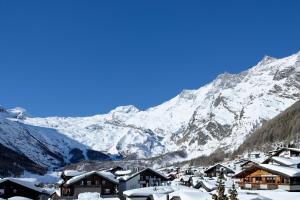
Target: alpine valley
[218, 115]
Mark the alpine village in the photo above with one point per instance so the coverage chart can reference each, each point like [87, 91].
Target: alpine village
[265, 164]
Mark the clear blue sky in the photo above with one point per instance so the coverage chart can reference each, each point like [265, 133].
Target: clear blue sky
[77, 58]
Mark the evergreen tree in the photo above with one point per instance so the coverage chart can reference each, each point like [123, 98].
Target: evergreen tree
[233, 193]
[220, 195]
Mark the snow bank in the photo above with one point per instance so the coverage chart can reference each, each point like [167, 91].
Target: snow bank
[89, 196]
[18, 198]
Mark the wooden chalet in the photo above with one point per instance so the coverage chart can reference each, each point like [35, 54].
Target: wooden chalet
[217, 169]
[103, 183]
[293, 162]
[285, 152]
[266, 176]
[12, 187]
[248, 164]
[115, 169]
[187, 180]
[68, 174]
[145, 178]
[254, 155]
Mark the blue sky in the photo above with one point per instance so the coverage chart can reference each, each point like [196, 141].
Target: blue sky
[76, 58]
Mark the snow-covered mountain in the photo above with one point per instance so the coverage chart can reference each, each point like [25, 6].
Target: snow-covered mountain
[219, 114]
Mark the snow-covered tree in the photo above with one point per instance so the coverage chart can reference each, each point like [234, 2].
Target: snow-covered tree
[233, 193]
[220, 195]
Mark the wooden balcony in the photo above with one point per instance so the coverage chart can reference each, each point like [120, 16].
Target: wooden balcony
[259, 186]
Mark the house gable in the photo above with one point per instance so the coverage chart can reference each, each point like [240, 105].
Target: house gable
[10, 189]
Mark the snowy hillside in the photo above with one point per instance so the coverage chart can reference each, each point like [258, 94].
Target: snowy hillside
[219, 114]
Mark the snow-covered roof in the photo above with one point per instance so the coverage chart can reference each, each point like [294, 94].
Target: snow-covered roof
[287, 171]
[292, 172]
[147, 191]
[26, 184]
[254, 153]
[278, 151]
[186, 178]
[72, 173]
[248, 161]
[189, 194]
[160, 192]
[123, 172]
[286, 161]
[258, 160]
[18, 198]
[89, 196]
[216, 166]
[107, 175]
[137, 173]
[292, 149]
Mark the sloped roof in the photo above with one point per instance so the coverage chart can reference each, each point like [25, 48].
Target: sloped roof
[186, 178]
[274, 169]
[218, 164]
[123, 172]
[291, 172]
[137, 173]
[72, 173]
[106, 175]
[147, 191]
[277, 152]
[27, 184]
[286, 161]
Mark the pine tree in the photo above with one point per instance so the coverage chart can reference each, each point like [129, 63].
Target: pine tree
[220, 195]
[233, 193]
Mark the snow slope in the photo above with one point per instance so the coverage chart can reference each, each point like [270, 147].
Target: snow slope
[219, 114]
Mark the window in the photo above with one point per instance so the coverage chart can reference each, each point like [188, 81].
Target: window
[257, 179]
[103, 182]
[106, 191]
[270, 179]
[89, 182]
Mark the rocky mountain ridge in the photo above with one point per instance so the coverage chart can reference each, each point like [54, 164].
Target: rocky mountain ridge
[218, 115]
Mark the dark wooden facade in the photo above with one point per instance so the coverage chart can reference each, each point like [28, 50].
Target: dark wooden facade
[248, 164]
[145, 178]
[10, 189]
[114, 169]
[149, 178]
[286, 152]
[91, 183]
[217, 169]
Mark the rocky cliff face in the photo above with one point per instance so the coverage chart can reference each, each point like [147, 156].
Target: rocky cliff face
[219, 114]
[282, 130]
[236, 104]
[36, 149]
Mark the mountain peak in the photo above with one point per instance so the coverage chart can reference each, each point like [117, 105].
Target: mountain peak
[266, 60]
[125, 109]
[187, 94]
[18, 112]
